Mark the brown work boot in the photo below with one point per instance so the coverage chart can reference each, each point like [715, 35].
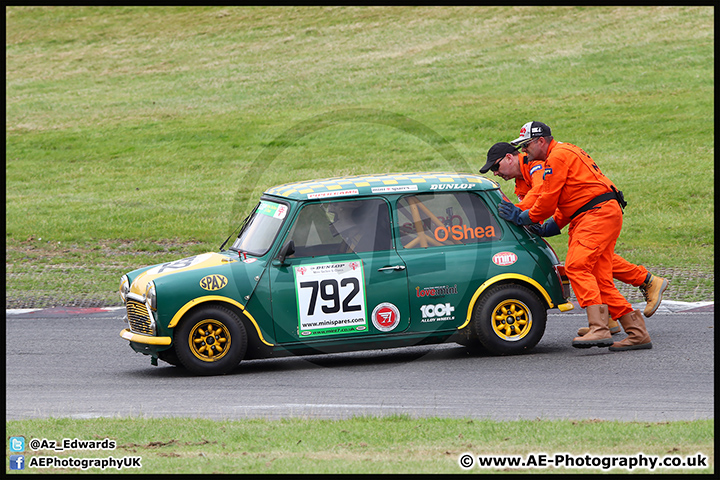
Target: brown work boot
[638, 336]
[598, 334]
[652, 291]
[612, 325]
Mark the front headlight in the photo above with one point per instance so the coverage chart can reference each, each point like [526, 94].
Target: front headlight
[124, 287]
[151, 295]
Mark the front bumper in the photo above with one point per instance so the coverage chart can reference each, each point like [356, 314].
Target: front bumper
[145, 339]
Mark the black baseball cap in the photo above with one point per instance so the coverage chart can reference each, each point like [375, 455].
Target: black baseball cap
[496, 152]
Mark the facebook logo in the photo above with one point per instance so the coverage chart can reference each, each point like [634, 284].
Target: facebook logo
[17, 462]
[17, 444]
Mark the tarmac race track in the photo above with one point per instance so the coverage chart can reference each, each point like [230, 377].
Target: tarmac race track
[74, 364]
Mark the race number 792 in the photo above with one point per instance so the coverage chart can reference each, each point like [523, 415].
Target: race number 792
[330, 298]
[330, 292]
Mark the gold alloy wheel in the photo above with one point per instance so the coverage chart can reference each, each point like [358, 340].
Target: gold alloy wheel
[511, 320]
[209, 340]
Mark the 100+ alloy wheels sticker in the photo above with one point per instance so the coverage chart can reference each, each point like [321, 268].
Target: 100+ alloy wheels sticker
[331, 298]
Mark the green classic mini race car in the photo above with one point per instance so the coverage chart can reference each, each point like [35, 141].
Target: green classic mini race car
[351, 263]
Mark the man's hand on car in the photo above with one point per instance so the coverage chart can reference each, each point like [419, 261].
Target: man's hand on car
[511, 213]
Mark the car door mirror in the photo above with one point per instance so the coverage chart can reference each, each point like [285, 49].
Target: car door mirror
[286, 250]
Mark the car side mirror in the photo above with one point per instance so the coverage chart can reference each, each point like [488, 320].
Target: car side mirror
[286, 250]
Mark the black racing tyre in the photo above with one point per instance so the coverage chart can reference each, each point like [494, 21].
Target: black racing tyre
[169, 356]
[472, 342]
[210, 341]
[509, 319]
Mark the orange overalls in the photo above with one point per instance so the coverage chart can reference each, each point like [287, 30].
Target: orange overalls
[571, 179]
[528, 189]
[532, 173]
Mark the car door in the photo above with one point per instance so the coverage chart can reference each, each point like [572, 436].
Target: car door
[344, 279]
[447, 240]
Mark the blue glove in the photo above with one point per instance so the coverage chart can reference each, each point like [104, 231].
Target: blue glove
[511, 213]
[547, 229]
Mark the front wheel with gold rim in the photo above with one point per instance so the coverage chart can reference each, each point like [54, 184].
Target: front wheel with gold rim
[210, 341]
[509, 319]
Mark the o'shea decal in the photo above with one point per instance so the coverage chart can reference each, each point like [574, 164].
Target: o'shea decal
[504, 259]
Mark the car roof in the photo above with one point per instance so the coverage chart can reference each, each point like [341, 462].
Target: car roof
[362, 185]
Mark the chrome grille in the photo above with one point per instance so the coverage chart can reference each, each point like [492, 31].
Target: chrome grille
[139, 318]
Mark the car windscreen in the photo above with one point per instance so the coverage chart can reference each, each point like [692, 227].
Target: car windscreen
[259, 232]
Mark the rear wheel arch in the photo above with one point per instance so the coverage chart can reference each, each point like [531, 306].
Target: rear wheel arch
[508, 279]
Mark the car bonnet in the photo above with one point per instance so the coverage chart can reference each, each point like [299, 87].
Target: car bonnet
[183, 265]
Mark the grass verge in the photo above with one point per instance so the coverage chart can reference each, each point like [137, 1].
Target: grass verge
[396, 444]
[130, 130]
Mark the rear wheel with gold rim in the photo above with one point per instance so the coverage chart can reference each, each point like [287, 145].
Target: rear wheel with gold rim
[210, 341]
[509, 319]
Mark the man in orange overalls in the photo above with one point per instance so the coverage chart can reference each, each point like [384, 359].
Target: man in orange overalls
[505, 161]
[589, 202]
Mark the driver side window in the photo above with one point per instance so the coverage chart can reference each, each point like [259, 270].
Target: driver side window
[336, 227]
